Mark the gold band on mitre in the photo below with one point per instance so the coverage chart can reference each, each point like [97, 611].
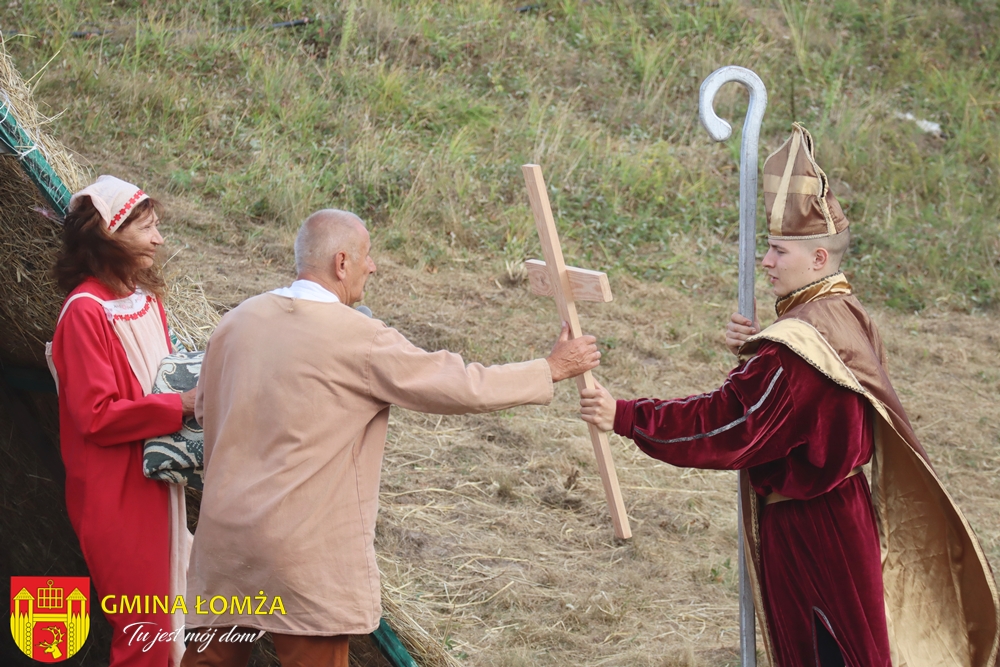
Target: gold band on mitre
[797, 195]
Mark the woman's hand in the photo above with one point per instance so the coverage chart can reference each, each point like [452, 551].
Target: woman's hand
[187, 402]
[598, 407]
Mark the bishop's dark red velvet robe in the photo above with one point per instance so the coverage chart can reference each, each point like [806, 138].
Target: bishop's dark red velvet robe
[798, 434]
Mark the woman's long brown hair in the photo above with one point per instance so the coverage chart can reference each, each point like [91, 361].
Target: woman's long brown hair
[89, 250]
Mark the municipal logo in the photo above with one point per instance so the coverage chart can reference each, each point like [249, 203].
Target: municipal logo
[49, 616]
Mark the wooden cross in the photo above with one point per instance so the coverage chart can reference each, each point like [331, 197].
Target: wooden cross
[568, 284]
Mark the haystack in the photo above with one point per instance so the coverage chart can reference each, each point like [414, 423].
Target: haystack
[29, 299]
[37, 175]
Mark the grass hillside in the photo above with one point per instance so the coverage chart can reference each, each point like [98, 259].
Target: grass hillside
[418, 116]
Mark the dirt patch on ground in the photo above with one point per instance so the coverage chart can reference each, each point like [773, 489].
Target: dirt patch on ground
[495, 526]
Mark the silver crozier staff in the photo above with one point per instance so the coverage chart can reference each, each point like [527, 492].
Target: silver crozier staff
[720, 130]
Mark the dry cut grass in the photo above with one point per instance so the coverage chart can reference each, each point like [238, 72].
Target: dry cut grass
[498, 523]
[493, 530]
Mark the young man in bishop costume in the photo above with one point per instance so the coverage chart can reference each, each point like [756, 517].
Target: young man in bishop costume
[843, 575]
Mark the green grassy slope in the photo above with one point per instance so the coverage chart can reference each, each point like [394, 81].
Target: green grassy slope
[417, 115]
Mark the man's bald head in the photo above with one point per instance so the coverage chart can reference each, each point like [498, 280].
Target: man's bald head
[323, 235]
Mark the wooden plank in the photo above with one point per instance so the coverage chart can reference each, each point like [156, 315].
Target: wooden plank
[559, 278]
[585, 285]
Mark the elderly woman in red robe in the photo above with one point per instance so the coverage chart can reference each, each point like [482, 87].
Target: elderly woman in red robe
[108, 344]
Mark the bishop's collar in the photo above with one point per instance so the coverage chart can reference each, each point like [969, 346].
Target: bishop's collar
[832, 285]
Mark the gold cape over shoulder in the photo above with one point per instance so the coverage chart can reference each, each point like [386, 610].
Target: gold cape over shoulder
[941, 599]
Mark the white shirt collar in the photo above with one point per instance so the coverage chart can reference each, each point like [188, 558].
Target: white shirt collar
[308, 291]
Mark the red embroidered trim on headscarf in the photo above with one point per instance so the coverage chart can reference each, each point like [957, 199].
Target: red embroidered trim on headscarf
[125, 209]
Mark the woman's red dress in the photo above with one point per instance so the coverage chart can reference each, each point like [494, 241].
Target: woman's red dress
[120, 516]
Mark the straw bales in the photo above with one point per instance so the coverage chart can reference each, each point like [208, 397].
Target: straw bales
[30, 236]
[29, 232]
[418, 642]
[191, 317]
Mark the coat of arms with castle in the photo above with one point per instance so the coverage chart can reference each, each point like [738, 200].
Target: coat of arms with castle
[48, 624]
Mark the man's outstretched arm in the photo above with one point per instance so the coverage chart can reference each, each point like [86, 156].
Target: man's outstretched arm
[400, 373]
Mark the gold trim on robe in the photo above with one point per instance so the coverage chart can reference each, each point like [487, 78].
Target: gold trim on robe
[941, 600]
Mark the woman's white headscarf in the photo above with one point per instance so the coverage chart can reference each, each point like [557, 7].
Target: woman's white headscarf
[113, 198]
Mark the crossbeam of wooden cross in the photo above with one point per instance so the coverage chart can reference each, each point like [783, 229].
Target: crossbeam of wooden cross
[568, 284]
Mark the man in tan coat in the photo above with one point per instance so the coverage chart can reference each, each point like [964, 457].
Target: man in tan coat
[294, 396]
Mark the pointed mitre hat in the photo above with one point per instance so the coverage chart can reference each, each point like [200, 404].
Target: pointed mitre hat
[113, 198]
[797, 195]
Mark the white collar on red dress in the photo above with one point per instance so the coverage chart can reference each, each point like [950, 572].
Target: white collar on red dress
[128, 308]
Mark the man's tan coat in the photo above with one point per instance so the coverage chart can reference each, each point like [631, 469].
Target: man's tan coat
[294, 396]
